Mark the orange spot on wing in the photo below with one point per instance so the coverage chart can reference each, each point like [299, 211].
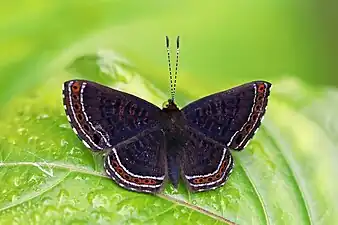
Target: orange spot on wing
[76, 87]
[80, 117]
[261, 88]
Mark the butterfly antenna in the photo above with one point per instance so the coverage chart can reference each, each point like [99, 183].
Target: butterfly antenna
[169, 67]
[176, 65]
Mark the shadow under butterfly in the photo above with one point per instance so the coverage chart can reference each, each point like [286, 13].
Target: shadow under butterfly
[148, 145]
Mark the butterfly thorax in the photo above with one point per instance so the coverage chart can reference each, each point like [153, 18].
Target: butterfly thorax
[173, 115]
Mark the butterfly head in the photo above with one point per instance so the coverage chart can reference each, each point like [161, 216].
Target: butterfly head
[170, 105]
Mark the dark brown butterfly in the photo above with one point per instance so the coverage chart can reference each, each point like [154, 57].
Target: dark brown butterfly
[148, 145]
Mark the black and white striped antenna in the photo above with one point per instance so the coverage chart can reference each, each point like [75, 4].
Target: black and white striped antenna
[173, 80]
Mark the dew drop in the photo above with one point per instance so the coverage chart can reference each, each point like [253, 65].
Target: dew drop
[17, 181]
[36, 217]
[100, 201]
[63, 193]
[127, 211]
[184, 210]
[33, 179]
[14, 198]
[176, 214]
[51, 211]
[33, 138]
[22, 131]
[46, 201]
[90, 197]
[42, 116]
[63, 143]
[64, 125]
[78, 177]
[69, 210]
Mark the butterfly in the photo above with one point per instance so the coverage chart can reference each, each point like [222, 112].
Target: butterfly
[148, 145]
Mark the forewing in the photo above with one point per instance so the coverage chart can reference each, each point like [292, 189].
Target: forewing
[138, 164]
[205, 163]
[102, 117]
[230, 117]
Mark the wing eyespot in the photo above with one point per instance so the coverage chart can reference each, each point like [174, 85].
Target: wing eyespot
[80, 116]
[86, 127]
[77, 106]
[261, 88]
[238, 138]
[115, 165]
[258, 107]
[248, 127]
[75, 97]
[136, 180]
[254, 117]
[76, 87]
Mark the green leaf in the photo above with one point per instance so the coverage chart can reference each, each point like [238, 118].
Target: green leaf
[286, 175]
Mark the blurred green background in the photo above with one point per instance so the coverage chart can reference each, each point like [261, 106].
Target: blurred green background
[292, 44]
[230, 41]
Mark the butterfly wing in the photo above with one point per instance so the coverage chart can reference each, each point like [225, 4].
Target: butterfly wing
[205, 163]
[230, 117]
[102, 117]
[138, 164]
